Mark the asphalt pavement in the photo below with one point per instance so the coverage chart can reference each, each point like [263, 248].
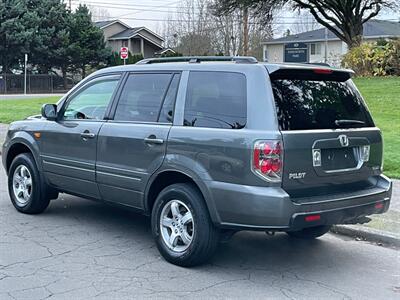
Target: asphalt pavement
[80, 249]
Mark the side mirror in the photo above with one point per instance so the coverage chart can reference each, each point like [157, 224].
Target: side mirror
[49, 111]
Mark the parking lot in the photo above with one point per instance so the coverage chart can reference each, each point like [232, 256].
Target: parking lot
[80, 248]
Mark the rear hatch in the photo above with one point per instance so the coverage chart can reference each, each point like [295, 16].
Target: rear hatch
[331, 145]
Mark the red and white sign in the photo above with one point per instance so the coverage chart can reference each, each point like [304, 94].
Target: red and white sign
[124, 52]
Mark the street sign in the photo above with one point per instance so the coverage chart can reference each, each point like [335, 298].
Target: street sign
[124, 52]
[296, 52]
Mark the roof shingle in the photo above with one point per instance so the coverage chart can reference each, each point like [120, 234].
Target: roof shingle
[372, 28]
[103, 23]
[126, 33]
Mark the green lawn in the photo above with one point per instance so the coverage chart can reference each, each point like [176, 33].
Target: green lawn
[11, 110]
[381, 94]
[383, 99]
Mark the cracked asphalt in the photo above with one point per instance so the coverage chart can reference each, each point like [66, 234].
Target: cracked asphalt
[79, 249]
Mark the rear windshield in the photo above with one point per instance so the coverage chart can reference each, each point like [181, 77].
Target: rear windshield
[318, 104]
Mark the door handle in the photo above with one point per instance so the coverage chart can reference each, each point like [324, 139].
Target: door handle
[87, 135]
[153, 140]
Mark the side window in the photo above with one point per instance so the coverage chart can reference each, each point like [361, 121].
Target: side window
[216, 100]
[167, 110]
[92, 101]
[142, 97]
[315, 49]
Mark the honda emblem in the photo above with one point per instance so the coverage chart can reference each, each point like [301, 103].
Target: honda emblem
[344, 140]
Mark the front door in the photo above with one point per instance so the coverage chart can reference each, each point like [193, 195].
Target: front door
[69, 144]
[132, 145]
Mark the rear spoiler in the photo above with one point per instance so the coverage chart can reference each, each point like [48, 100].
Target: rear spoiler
[308, 72]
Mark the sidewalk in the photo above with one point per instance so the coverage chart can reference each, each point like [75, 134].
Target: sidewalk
[383, 228]
[3, 132]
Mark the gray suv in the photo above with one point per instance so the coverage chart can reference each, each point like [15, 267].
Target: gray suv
[207, 146]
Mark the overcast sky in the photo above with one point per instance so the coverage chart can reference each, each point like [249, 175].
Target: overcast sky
[150, 13]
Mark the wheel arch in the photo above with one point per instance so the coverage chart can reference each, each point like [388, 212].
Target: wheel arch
[167, 177]
[17, 147]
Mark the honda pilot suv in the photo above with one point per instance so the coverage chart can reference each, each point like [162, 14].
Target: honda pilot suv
[207, 146]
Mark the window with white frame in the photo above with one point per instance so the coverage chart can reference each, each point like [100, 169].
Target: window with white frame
[315, 49]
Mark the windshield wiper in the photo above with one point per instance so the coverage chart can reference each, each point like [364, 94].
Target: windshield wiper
[344, 123]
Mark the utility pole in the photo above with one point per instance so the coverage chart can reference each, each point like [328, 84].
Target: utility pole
[26, 61]
[245, 30]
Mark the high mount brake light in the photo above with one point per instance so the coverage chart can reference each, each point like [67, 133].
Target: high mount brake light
[267, 160]
[323, 71]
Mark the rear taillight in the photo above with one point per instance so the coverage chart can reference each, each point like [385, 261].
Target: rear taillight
[267, 160]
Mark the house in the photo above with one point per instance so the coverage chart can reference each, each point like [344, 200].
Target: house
[310, 46]
[139, 40]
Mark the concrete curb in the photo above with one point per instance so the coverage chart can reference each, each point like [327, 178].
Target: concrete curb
[368, 234]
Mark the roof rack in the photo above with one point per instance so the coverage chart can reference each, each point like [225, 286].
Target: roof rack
[199, 59]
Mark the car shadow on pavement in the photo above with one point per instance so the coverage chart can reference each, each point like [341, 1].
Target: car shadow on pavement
[78, 243]
[245, 249]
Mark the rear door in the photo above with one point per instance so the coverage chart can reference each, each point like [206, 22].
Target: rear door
[331, 144]
[132, 145]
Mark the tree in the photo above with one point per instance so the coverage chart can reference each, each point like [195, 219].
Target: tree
[99, 13]
[196, 29]
[305, 22]
[48, 47]
[39, 28]
[14, 37]
[87, 45]
[259, 10]
[115, 59]
[344, 18]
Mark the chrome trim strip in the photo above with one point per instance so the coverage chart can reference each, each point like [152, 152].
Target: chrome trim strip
[115, 175]
[137, 122]
[66, 166]
[119, 169]
[64, 159]
[356, 168]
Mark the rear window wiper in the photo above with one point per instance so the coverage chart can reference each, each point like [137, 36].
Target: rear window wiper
[344, 123]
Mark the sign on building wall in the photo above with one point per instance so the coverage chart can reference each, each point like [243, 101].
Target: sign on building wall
[296, 52]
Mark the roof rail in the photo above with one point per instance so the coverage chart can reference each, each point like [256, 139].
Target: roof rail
[198, 59]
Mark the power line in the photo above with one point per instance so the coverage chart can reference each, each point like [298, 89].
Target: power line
[123, 5]
[191, 21]
[132, 7]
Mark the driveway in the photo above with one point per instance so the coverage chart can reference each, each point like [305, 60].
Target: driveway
[79, 249]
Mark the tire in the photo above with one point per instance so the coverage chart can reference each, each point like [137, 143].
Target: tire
[27, 192]
[310, 232]
[198, 238]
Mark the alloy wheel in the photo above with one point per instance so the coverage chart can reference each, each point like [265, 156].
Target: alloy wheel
[176, 225]
[22, 185]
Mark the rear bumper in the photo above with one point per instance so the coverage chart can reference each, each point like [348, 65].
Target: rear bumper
[271, 208]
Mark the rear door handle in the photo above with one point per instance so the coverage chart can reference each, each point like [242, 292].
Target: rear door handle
[153, 140]
[87, 135]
